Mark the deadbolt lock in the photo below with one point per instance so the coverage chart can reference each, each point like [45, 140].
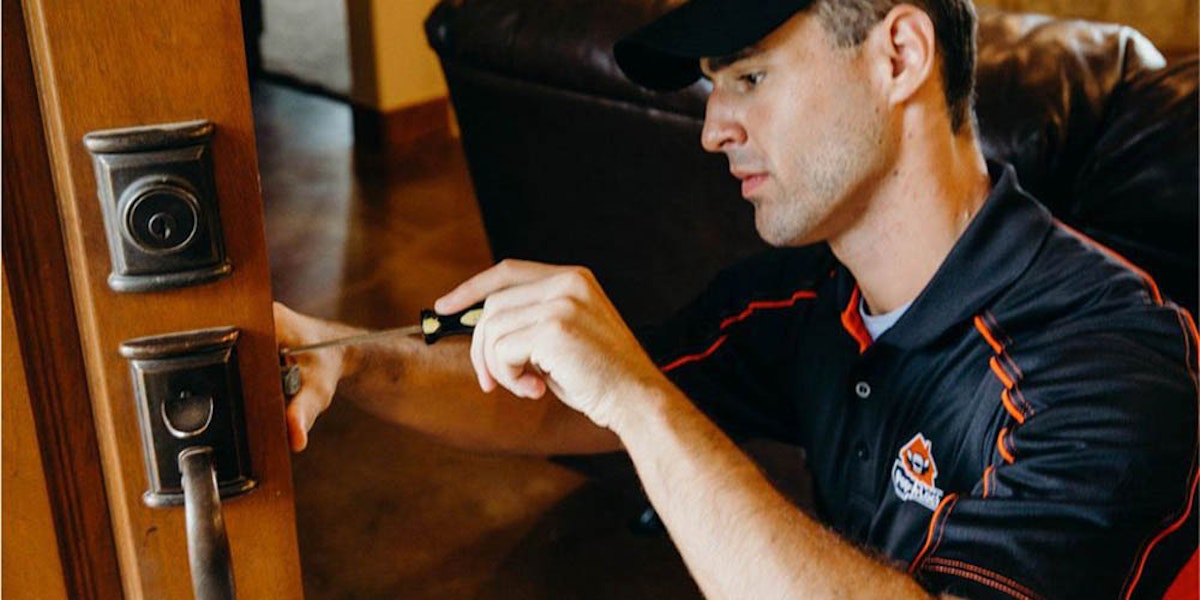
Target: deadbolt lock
[159, 200]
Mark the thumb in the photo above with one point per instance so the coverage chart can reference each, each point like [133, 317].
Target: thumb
[297, 425]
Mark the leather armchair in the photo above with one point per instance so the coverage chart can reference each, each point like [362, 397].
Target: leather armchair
[572, 163]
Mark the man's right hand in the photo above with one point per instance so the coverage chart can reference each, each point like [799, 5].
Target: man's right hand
[320, 370]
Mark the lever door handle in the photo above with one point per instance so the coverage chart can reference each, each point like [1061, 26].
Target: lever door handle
[190, 410]
[208, 546]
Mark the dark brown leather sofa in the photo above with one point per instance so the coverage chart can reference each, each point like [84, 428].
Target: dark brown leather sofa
[572, 163]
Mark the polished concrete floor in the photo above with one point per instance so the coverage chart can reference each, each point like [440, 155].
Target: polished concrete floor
[383, 512]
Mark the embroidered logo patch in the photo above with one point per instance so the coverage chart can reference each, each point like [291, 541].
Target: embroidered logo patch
[914, 473]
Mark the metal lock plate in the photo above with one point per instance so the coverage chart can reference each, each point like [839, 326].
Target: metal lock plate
[156, 188]
[188, 394]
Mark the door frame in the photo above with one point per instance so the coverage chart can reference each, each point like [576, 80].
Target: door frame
[47, 334]
[88, 65]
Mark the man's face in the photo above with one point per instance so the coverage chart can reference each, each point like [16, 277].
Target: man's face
[803, 129]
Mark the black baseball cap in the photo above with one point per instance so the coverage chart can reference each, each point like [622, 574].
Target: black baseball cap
[665, 54]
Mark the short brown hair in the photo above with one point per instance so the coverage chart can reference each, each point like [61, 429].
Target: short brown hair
[849, 21]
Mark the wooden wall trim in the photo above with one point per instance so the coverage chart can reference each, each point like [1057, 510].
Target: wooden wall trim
[31, 557]
[45, 323]
[397, 133]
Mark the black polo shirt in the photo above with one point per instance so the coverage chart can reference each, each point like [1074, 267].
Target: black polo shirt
[1027, 429]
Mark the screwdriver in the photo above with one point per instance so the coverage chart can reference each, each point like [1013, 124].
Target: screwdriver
[432, 326]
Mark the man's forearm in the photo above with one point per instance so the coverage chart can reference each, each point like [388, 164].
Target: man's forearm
[739, 537]
[432, 389]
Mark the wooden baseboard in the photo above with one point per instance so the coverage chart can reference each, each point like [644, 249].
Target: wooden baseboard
[398, 132]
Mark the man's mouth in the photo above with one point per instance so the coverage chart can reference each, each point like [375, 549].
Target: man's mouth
[750, 181]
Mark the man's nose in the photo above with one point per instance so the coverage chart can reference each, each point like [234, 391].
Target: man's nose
[721, 128]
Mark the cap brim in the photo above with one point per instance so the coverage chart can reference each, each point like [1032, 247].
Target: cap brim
[665, 54]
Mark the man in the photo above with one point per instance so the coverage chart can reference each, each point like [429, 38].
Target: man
[992, 405]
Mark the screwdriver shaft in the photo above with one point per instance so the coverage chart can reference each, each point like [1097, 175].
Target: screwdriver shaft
[353, 339]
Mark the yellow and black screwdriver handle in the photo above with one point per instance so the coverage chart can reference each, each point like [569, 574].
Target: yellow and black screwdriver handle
[435, 327]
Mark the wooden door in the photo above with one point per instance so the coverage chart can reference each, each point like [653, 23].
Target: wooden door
[74, 67]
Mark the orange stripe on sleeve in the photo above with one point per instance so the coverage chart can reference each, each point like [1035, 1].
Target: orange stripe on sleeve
[1189, 327]
[1141, 564]
[679, 362]
[749, 310]
[933, 521]
[999, 371]
[1003, 448]
[1113, 254]
[1006, 399]
[1005, 395]
[753, 306]
[987, 335]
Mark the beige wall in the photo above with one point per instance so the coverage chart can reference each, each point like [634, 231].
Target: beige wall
[391, 63]
[1170, 24]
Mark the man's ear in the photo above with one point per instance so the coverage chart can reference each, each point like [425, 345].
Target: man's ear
[906, 43]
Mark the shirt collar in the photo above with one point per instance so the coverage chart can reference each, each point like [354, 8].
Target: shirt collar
[995, 249]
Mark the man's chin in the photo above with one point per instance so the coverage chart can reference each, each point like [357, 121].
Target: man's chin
[782, 237]
[776, 238]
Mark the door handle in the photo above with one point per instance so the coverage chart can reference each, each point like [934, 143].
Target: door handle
[208, 546]
[190, 412]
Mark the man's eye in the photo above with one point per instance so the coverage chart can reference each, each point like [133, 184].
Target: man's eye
[750, 80]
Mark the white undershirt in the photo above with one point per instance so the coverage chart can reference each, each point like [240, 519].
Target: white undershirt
[877, 324]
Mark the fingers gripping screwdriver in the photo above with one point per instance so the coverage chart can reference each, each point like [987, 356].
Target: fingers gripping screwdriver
[432, 327]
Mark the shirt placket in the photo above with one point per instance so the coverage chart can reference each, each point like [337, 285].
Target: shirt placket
[862, 391]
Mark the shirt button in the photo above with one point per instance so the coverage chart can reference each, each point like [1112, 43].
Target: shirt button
[862, 389]
[860, 451]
